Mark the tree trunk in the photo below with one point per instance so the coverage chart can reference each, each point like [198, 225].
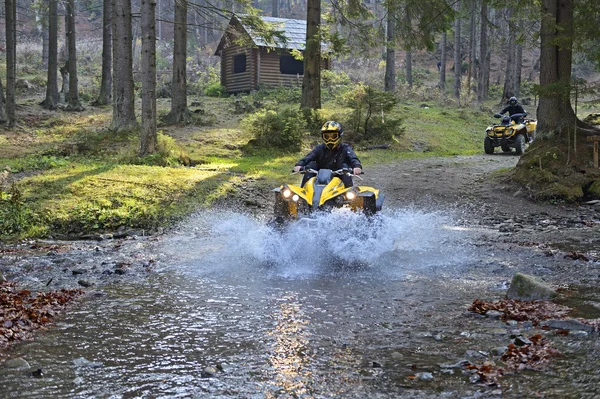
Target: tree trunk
[457, 59]
[148, 136]
[105, 95]
[518, 69]
[11, 60]
[45, 42]
[74, 103]
[390, 53]
[179, 109]
[52, 96]
[408, 68]
[472, 46]
[2, 104]
[563, 153]
[311, 83]
[484, 65]
[442, 66]
[509, 74]
[275, 8]
[123, 117]
[555, 114]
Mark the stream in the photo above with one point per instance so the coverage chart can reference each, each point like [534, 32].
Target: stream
[339, 307]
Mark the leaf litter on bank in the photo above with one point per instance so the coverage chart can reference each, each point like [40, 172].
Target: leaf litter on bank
[21, 312]
[513, 309]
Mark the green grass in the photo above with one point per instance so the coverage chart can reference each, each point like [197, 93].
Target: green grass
[79, 177]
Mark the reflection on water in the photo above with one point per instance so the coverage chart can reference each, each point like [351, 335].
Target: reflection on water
[237, 311]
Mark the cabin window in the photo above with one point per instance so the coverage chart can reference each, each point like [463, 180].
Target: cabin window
[288, 65]
[239, 63]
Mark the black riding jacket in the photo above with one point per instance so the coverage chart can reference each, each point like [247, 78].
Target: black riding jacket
[513, 109]
[341, 156]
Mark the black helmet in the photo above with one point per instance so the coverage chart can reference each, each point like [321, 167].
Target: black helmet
[506, 120]
[513, 101]
[331, 132]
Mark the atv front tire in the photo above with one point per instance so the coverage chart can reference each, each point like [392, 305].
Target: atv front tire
[488, 146]
[520, 144]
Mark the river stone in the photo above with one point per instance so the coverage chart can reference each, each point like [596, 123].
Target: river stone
[527, 288]
[2, 278]
[16, 363]
[568, 324]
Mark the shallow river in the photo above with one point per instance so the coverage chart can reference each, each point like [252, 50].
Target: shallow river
[339, 307]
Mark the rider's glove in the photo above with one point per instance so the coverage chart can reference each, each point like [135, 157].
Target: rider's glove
[357, 171]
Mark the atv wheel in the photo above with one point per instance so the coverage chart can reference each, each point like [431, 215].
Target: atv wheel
[488, 146]
[369, 205]
[520, 144]
[506, 148]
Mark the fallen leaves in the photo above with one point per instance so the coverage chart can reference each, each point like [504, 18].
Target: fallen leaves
[512, 309]
[21, 312]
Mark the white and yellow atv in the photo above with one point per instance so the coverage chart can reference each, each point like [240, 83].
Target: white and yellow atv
[512, 132]
[324, 192]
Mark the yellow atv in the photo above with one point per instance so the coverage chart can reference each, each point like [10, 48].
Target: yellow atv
[324, 192]
[512, 132]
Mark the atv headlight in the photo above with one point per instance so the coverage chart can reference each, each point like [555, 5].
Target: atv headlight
[295, 198]
[287, 193]
[350, 195]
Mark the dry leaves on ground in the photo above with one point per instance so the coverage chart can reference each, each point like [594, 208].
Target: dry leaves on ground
[21, 312]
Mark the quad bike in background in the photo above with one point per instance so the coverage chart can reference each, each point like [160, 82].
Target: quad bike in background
[324, 192]
[512, 132]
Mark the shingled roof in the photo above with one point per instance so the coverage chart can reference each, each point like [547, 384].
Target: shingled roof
[294, 31]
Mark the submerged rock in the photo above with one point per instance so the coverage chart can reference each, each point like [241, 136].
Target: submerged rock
[528, 288]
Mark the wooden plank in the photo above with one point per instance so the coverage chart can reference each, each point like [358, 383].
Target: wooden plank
[593, 138]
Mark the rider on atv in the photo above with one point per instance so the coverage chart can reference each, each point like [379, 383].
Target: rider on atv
[332, 154]
[514, 108]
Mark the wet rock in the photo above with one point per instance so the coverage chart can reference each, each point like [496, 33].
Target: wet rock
[83, 362]
[460, 364]
[424, 376]
[376, 365]
[16, 363]
[522, 341]
[568, 324]
[120, 271]
[37, 373]
[2, 278]
[208, 372]
[498, 351]
[79, 271]
[85, 283]
[493, 314]
[529, 288]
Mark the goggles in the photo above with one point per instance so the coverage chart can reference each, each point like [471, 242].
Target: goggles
[330, 136]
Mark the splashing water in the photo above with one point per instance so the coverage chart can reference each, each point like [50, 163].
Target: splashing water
[396, 243]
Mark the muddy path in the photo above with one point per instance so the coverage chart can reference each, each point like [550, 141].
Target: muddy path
[220, 306]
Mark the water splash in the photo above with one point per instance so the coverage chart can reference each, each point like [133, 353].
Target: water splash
[394, 243]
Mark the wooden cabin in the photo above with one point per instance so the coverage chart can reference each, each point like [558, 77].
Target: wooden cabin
[246, 67]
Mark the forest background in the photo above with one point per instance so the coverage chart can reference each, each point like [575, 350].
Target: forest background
[76, 159]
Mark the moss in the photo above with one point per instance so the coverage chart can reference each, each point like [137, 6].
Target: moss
[594, 189]
[543, 173]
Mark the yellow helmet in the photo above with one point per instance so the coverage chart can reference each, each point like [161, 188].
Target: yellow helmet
[331, 132]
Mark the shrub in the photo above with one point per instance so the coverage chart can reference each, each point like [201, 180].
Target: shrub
[216, 90]
[367, 104]
[282, 129]
[15, 217]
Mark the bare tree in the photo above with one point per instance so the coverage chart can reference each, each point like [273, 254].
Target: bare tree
[484, 59]
[509, 75]
[74, 104]
[179, 109]
[457, 53]
[123, 117]
[2, 104]
[10, 10]
[390, 53]
[311, 82]
[275, 8]
[52, 95]
[442, 65]
[148, 139]
[105, 95]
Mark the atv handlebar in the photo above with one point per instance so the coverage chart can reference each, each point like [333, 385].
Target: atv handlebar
[339, 172]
